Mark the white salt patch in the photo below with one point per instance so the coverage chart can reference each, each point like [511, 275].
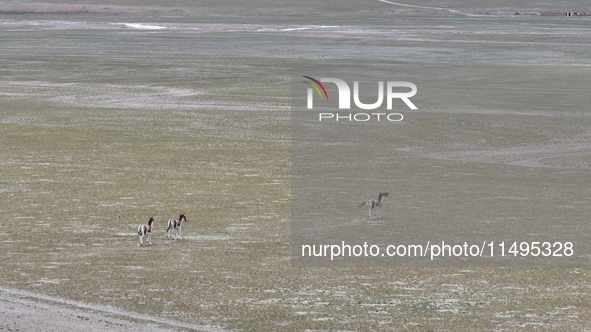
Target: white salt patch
[294, 29]
[49, 281]
[143, 26]
[208, 237]
[133, 267]
[310, 27]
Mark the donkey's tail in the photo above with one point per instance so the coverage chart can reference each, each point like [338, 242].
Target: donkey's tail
[362, 204]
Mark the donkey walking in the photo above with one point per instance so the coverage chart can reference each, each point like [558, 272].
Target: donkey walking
[145, 230]
[175, 225]
[377, 204]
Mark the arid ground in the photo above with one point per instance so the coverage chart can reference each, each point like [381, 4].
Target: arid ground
[115, 111]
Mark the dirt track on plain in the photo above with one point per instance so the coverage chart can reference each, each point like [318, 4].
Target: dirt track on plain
[27, 311]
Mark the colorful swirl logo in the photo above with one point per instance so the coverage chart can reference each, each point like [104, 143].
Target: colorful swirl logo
[317, 86]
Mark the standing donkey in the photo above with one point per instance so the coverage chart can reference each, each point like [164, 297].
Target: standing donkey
[377, 204]
[175, 225]
[145, 230]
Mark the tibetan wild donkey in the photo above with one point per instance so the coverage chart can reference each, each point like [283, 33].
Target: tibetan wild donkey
[146, 230]
[377, 204]
[175, 225]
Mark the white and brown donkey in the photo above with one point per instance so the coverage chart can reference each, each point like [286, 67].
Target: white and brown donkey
[175, 225]
[377, 204]
[146, 230]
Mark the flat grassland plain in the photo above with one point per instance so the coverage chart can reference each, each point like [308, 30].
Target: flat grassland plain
[115, 111]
